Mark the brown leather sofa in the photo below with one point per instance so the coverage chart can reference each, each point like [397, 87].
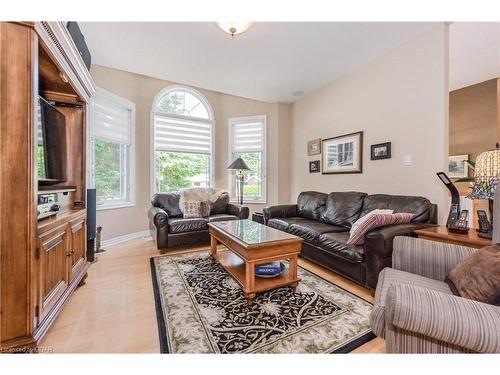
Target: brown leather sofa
[324, 221]
[170, 229]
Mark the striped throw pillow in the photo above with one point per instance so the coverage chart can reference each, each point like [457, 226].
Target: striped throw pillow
[357, 236]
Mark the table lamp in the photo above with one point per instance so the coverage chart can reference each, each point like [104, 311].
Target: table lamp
[487, 174]
[239, 165]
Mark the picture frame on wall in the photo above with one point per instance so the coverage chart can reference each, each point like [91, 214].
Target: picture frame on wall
[343, 154]
[314, 166]
[380, 151]
[457, 166]
[314, 147]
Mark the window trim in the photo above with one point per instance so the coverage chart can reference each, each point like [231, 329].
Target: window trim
[152, 129]
[230, 122]
[129, 105]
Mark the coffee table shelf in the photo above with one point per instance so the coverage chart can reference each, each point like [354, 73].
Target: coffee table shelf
[236, 267]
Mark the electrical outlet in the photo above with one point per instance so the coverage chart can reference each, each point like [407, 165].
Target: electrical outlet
[407, 160]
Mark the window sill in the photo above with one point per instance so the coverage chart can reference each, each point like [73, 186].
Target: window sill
[112, 206]
[249, 202]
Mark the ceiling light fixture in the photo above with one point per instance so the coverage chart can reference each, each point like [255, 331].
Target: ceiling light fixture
[234, 28]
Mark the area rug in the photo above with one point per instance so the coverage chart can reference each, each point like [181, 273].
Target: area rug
[201, 309]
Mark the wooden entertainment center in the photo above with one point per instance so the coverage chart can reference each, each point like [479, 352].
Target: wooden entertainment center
[41, 261]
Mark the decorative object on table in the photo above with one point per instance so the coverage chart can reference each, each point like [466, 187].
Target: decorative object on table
[98, 248]
[454, 214]
[239, 166]
[380, 151]
[343, 154]
[272, 269]
[487, 173]
[314, 166]
[457, 166]
[314, 147]
[310, 318]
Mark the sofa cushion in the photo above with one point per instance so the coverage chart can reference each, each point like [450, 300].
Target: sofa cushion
[376, 221]
[343, 208]
[390, 276]
[419, 206]
[311, 204]
[311, 230]
[282, 223]
[181, 225]
[219, 206]
[168, 202]
[222, 217]
[336, 243]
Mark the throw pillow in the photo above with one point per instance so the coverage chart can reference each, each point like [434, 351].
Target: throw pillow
[196, 209]
[219, 205]
[478, 276]
[377, 220]
[362, 219]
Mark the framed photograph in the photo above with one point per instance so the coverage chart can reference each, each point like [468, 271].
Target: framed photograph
[314, 147]
[457, 166]
[343, 154]
[314, 166]
[380, 151]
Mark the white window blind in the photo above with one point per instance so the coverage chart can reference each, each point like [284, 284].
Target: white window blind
[111, 119]
[178, 134]
[248, 135]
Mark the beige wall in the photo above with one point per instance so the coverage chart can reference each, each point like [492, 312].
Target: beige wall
[401, 97]
[473, 119]
[141, 90]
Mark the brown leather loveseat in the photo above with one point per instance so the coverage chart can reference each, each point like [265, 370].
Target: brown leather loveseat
[170, 229]
[324, 221]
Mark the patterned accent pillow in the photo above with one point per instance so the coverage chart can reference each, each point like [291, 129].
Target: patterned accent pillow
[357, 236]
[196, 209]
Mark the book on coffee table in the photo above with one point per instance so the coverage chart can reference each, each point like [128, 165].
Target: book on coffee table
[273, 268]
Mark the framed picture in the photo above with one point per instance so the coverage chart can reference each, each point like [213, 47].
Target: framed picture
[457, 166]
[343, 154]
[314, 166]
[380, 151]
[314, 147]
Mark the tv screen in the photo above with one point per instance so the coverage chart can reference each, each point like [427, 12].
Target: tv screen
[51, 144]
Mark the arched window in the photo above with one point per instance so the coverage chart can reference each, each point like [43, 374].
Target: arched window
[182, 123]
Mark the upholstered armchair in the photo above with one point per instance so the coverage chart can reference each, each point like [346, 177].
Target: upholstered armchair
[415, 310]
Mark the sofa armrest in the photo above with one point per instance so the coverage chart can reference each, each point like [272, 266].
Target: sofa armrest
[428, 258]
[283, 210]
[159, 217]
[237, 210]
[453, 320]
[379, 246]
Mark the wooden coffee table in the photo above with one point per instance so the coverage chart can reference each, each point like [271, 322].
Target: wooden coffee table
[249, 244]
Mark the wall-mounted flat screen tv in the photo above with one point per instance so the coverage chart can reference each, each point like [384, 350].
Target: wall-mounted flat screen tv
[51, 144]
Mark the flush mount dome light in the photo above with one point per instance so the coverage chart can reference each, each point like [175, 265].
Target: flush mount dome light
[234, 28]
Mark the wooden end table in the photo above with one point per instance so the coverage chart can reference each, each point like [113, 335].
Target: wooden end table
[249, 244]
[442, 234]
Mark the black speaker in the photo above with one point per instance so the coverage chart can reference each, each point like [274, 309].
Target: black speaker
[79, 39]
[91, 226]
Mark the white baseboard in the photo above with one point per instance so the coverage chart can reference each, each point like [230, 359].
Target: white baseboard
[125, 237]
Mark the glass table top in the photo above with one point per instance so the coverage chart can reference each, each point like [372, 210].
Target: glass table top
[251, 232]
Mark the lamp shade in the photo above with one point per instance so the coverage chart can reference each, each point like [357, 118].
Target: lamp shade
[487, 174]
[238, 164]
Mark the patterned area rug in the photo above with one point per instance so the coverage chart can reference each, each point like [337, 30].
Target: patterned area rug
[201, 309]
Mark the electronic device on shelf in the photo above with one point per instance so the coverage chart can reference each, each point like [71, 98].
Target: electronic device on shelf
[454, 214]
[47, 205]
[461, 224]
[485, 227]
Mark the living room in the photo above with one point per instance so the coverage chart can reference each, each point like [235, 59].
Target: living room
[276, 186]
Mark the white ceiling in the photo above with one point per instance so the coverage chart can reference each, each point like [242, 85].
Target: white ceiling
[269, 62]
[474, 53]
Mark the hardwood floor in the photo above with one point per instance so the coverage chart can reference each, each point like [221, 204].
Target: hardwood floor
[114, 311]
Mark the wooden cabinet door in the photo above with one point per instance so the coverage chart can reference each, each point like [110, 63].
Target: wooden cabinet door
[53, 272]
[78, 247]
